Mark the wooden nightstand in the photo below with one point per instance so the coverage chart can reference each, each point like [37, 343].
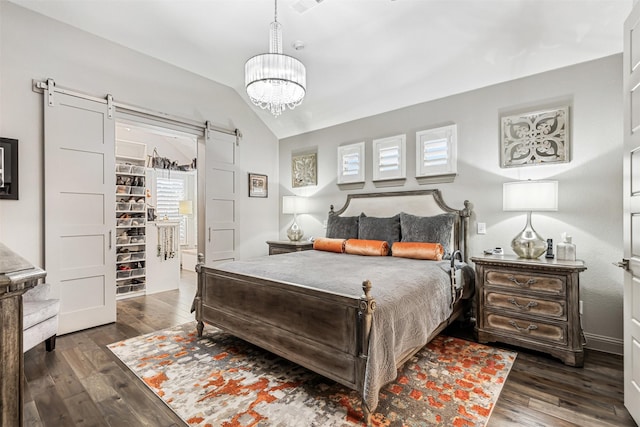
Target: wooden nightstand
[530, 303]
[286, 246]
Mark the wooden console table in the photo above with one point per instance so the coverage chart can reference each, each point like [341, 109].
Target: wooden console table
[17, 276]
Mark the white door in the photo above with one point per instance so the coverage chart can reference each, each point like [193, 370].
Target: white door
[221, 188]
[631, 221]
[79, 201]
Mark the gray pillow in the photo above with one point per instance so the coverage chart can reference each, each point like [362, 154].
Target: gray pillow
[342, 227]
[373, 228]
[431, 229]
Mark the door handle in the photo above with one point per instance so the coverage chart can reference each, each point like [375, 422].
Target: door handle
[209, 234]
[110, 232]
[622, 264]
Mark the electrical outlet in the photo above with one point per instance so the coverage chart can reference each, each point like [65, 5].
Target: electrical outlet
[580, 306]
[482, 228]
[324, 224]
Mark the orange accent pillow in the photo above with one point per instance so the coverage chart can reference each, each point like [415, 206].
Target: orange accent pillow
[418, 250]
[366, 247]
[329, 245]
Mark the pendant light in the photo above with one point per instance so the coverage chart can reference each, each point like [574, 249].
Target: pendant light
[275, 81]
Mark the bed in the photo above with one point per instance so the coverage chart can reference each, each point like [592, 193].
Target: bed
[354, 319]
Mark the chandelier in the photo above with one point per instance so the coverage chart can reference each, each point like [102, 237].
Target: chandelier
[275, 81]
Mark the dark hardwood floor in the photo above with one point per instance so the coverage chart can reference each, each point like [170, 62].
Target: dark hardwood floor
[82, 383]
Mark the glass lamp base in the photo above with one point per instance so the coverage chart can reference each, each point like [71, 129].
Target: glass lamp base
[295, 233]
[528, 243]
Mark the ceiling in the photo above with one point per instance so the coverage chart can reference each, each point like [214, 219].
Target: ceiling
[363, 57]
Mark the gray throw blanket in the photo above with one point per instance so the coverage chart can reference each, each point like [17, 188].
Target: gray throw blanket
[412, 296]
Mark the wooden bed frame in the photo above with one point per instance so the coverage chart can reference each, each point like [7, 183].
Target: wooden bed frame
[326, 333]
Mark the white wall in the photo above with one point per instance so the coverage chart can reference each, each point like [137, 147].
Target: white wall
[590, 186]
[36, 47]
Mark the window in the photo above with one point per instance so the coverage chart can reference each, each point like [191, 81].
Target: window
[389, 158]
[351, 163]
[172, 188]
[169, 193]
[436, 151]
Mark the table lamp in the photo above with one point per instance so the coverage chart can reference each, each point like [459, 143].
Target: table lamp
[529, 196]
[293, 205]
[185, 208]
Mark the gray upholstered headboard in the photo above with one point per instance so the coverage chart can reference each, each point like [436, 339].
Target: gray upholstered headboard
[419, 203]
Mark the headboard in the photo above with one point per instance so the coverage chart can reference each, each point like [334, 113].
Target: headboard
[418, 202]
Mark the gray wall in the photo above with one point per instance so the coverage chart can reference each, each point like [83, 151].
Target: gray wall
[36, 47]
[590, 186]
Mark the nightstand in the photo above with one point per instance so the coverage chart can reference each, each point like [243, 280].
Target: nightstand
[285, 246]
[531, 303]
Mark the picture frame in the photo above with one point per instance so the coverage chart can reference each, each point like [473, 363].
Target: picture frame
[304, 170]
[389, 158]
[535, 138]
[8, 168]
[258, 185]
[351, 166]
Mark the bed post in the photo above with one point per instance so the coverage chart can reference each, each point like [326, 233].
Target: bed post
[465, 214]
[366, 308]
[197, 300]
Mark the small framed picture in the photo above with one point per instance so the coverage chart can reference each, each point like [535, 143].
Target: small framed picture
[258, 185]
[8, 168]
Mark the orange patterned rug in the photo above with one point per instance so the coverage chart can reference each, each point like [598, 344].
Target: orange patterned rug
[219, 380]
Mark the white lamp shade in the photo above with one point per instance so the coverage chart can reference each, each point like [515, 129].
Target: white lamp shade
[293, 205]
[530, 196]
[185, 207]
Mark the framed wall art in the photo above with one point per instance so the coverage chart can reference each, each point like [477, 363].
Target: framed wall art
[536, 138]
[389, 158]
[8, 168]
[258, 185]
[351, 163]
[304, 170]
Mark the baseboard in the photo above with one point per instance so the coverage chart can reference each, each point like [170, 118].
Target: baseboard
[604, 343]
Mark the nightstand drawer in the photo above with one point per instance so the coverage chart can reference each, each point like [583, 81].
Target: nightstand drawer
[552, 285]
[526, 304]
[529, 328]
[278, 250]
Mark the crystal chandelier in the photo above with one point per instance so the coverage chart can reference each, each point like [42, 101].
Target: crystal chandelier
[273, 80]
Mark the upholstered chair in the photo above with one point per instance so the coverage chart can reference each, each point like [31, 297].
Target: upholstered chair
[40, 318]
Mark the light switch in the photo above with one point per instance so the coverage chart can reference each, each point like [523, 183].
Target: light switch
[482, 228]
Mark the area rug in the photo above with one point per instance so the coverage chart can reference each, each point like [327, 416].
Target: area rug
[221, 381]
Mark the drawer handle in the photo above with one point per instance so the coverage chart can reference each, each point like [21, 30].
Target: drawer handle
[521, 329]
[523, 307]
[521, 284]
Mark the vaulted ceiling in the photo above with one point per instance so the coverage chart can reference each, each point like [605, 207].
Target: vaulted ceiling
[363, 57]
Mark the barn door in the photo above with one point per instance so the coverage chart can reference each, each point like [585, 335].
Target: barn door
[79, 202]
[221, 188]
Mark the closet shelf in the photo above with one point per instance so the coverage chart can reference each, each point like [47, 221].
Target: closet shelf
[131, 218]
[130, 241]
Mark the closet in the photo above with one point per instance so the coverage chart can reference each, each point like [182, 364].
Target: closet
[93, 254]
[156, 191]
